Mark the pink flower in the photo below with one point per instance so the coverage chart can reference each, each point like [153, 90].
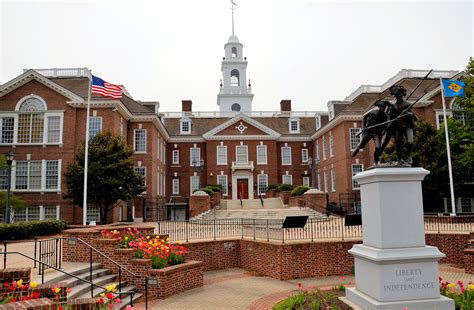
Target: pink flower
[405, 308]
[342, 278]
[129, 307]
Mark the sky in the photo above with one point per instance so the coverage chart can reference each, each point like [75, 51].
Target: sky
[307, 51]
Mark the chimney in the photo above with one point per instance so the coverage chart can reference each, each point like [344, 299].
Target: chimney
[186, 105]
[285, 105]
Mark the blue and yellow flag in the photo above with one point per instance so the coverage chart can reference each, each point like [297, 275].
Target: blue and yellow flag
[453, 88]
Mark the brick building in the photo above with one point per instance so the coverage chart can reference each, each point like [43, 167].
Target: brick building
[42, 118]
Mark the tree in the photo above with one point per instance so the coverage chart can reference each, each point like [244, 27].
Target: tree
[111, 176]
[467, 102]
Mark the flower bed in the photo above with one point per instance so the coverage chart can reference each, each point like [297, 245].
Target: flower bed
[462, 294]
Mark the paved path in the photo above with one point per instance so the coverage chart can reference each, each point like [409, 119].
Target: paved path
[238, 289]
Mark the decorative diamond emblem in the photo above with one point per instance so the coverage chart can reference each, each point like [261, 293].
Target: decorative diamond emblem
[241, 128]
[455, 87]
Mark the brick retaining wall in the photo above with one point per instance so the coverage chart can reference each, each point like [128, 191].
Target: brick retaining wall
[452, 245]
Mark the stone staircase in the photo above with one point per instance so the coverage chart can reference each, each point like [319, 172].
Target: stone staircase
[100, 276]
[273, 209]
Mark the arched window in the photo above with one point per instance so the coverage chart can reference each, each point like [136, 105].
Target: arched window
[234, 52]
[31, 120]
[234, 78]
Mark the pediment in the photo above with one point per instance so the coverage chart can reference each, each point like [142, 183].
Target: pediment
[241, 126]
[30, 75]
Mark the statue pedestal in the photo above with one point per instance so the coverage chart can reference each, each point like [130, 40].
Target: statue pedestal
[393, 267]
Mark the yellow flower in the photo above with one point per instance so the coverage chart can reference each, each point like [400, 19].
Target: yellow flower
[148, 237]
[179, 242]
[451, 285]
[111, 287]
[34, 284]
[19, 282]
[126, 238]
[57, 290]
[470, 287]
[102, 294]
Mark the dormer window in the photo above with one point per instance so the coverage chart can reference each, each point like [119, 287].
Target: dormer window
[185, 126]
[234, 52]
[318, 122]
[331, 111]
[294, 125]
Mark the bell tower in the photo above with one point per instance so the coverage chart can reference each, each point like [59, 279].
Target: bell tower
[234, 95]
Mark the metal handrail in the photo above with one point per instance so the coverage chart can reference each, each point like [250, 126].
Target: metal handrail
[66, 273]
[241, 202]
[120, 267]
[261, 200]
[317, 208]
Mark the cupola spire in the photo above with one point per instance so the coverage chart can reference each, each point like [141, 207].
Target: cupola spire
[232, 8]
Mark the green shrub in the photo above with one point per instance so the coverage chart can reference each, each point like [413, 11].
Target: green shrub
[25, 230]
[273, 186]
[285, 187]
[216, 188]
[206, 189]
[299, 190]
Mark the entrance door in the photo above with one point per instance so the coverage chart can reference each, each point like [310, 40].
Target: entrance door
[243, 188]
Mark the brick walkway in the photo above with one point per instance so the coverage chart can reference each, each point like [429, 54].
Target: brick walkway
[238, 289]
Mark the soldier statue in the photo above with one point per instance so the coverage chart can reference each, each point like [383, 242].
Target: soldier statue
[391, 120]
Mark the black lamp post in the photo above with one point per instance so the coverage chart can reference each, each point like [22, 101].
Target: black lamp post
[9, 158]
[312, 166]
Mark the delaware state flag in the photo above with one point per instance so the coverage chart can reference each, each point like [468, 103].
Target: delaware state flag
[453, 88]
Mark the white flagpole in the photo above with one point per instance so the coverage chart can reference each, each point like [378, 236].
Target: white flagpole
[86, 153]
[448, 150]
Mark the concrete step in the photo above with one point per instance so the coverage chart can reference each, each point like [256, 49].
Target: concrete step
[98, 290]
[56, 276]
[82, 288]
[261, 214]
[126, 301]
[268, 203]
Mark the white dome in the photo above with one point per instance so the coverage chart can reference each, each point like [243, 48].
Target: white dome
[233, 39]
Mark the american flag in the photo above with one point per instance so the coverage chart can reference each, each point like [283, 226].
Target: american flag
[103, 88]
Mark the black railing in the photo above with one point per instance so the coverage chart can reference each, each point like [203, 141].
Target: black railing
[36, 261]
[48, 254]
[241, 202]
[261, 200]
[271, 230]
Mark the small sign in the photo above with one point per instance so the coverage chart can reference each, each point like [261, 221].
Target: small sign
[229, 245]
[153, 281]
[71, 241]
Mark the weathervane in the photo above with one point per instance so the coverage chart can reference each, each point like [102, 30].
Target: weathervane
[233, 4]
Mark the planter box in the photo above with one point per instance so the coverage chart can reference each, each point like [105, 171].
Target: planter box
[294, 201]
[175, 279]
[285, 196]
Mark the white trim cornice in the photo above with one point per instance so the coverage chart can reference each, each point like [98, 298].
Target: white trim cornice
[30, 75]
[242, 137]
[211, 134]
[334, 122]
[185, 139]
[295, 139]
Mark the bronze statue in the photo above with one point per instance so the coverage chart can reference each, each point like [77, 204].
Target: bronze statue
[370, 119]
[391, 120]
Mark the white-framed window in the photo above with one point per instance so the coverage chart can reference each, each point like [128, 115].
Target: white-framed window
[319, 179]
[333, 180]
[36, 213]
[356, 168]
[325, 176]
[221, 155]
[241, 154]
[306, 181]
[140, 140]
[3, 178]
[95, 126]
[54, 129]
[261, 154]
[195, 183]
[31, 123]
[304, 156]
[175, 189]
[354, 139]
[286, 155]
[185, 126]
[222, 180]
[318, 121]
[331, 144]
[262, 183]
[7, 127]
[195, 157]
[175, 157]
[93, 214]
[287, 179]
[440, 118]
[294, 125]
[141, 171]
[324, 147]
[467, 204]
[37, 175]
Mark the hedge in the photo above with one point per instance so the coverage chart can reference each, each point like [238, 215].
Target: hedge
[299, 190]
[272, 186]
[25, 230]
[285, 187]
